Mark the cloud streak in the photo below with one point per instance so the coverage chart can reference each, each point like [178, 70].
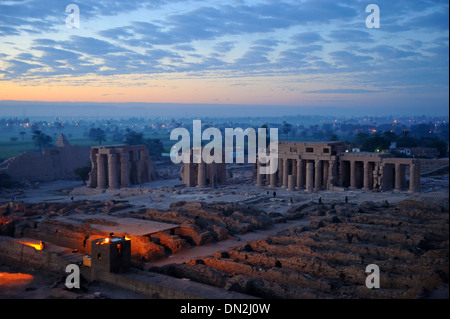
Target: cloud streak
[286, 39]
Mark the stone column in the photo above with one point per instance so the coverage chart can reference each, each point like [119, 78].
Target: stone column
[352, 174]
[403, 173]
[101, 171]
[280, 171]
[310, 177]
[341, 171]
[398, 177]
[294, 169]
[318, 175]
[113, 175]
[366, 185]
[291, 182]
[223, 172]
[138, 164]
[201, 175]
[285, 173]
[258, 174]
[414, 178]
[325, 165]
[417, 177]
[92, 183]
[273, 180]
[187, 174]
[331, 175]
[124, 170]
[300, 178]
[212, 174]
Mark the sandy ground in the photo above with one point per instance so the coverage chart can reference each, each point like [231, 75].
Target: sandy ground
[162, 194]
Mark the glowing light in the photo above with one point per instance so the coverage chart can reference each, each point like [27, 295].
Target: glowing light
[14, 279]
[39, 246]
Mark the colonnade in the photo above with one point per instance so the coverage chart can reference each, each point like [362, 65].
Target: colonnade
[297, 174]
[314, 175]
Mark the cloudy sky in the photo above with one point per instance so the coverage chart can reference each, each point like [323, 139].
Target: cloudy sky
[292, 53]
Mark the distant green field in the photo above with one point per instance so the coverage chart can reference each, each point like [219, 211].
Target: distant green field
[10, 148]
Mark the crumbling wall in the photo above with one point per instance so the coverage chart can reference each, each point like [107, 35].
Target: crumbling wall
[16, 254]
[53, 163]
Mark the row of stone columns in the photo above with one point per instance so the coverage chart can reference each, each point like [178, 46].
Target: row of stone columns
[214, 172]
[399, 177]
[108, 172]
[314, 175]
[308, 174]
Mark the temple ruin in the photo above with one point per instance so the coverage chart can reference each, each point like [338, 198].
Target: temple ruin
[328, 166]
[203, 174]
[53, 163]
[120, 166]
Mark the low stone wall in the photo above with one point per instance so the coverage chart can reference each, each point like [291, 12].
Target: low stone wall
[16, 254]
[428, 166]
[160, 286]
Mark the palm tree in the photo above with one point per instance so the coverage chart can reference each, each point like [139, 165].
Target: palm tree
[22, 133]
[97, 134]
[41, 139]
[134, 138]
[286, 128]
[83, 173]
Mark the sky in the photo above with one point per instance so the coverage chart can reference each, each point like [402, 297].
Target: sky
[302, 53]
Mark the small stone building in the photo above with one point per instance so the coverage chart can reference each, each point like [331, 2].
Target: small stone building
[111, 254]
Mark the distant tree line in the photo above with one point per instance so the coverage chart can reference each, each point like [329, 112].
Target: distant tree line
[382, 141]
[130, 137]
